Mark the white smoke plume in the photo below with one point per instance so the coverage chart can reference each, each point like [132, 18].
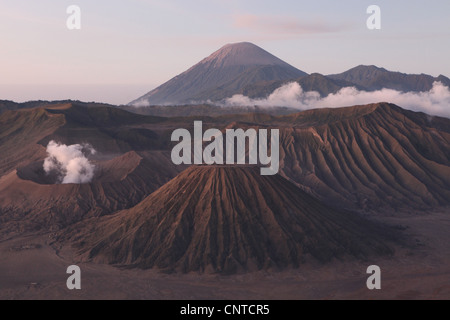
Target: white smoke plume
[433, 102]
[140, 103]
[70, 162]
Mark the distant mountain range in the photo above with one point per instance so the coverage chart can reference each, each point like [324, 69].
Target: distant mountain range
[373, 78]
[6, 105]
[244, 68]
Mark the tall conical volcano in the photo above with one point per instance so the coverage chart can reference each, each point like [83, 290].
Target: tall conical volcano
[242, 54]
[222, 74]
[227, 219]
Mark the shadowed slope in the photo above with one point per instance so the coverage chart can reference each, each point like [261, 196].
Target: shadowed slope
[20, 132]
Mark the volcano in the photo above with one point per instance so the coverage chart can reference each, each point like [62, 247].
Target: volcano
[33, 201]
[222, 74]
[228, 220]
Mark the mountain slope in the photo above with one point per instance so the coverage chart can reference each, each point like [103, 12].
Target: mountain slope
[377, 157]
[227, 219]
[375, 78]
[253, 75]
[313, 82]
[233, 66]
[20, 132]
[31, 202]
[129, 164]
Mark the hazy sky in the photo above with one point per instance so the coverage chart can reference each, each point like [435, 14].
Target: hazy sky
[126, 48]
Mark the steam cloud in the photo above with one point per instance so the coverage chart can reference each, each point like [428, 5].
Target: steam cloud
[141, 103]
[69, 162]
[433, 102]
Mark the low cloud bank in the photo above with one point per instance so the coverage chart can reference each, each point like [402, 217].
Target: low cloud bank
[141, 103]
[70, 162]
[433, 102]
